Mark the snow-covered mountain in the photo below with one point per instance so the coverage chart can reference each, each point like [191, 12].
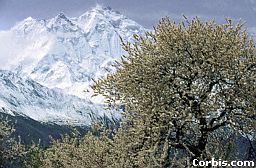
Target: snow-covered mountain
[61, 55]
[30, 99]
[67, 52]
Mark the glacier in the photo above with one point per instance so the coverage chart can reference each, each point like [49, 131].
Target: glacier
[48, 65]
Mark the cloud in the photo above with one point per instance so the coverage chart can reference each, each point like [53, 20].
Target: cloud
[8, 49]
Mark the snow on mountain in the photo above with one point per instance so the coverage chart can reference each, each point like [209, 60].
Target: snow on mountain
[30, 99]
[61, 55]
[64, 52]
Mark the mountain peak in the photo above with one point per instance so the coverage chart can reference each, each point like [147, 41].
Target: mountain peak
[102, 8]
[61, 23]
[29, 19]
[62, 16]
[99, 18]
[27, 25]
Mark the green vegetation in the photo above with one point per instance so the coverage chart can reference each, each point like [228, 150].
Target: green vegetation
[10, 150]
[189, 92]
[185, 88]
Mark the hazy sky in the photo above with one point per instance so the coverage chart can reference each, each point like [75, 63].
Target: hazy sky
[145, 12]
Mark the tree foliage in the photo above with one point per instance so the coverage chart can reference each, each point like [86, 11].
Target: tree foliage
[181, 84]
[10, 150]
[188, 92]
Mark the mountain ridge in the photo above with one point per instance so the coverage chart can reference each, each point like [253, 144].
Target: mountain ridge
[28, 98]
[74, 49]
[60, 56]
